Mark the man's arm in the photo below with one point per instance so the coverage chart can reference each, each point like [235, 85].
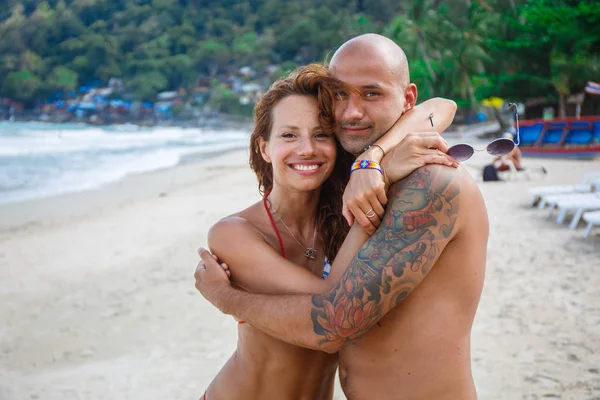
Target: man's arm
[420, 220]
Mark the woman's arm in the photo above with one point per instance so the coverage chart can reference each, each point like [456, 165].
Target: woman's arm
[256, 267]
[415, 120]
[414, 143]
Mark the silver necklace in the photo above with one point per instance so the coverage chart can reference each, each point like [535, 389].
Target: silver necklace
[309, 252]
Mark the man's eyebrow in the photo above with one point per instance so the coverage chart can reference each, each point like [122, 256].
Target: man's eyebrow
[372, 86]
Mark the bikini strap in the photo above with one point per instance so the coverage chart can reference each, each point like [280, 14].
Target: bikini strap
[273, 223]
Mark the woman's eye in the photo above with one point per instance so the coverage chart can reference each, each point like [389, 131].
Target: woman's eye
[341, 95]
[371, 94]
[288, 135]
[322, 135]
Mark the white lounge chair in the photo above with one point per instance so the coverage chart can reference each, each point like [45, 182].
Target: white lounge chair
[592, 218]
[553, 201]
[589, 182]
[578, 205]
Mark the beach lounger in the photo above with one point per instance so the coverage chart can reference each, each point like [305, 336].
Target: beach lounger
[589, 182]
[554, 200]
[554, 133]
[592, 218]
[551, 199]
[578, 205]
[580, 133]
[530, 133]
[597, 131]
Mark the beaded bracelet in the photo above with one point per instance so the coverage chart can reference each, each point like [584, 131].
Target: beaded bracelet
[365, 164]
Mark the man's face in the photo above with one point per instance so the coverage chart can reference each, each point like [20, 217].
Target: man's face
[365, 116]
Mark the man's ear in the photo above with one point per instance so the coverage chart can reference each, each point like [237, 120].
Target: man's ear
[410, 97]
[262, 144]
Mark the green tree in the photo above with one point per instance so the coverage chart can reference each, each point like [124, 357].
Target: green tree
[146, 85]
[62, 78]
[550, 46]
[465, 52]
[211, 54]
[415, 30]
[22, 86]
[570, 34]
[244, 47]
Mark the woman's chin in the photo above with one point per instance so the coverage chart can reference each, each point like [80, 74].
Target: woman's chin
[307, 186]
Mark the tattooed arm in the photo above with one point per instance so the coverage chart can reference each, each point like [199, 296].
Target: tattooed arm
[420, 220]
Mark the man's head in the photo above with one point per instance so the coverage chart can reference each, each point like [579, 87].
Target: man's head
[376, 71]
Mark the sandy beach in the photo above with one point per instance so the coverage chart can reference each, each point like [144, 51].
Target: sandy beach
[97, 298]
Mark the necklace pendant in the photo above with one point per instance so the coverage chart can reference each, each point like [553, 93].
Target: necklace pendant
[310, 253]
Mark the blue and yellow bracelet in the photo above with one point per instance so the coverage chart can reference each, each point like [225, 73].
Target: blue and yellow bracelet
[365, 164]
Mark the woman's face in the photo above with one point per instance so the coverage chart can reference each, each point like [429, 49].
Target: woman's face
[301, 154]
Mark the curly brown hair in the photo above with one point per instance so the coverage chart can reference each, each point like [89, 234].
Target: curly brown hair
[311, 80]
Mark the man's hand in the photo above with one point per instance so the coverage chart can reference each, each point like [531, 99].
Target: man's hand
[211, 276]
[365, 195]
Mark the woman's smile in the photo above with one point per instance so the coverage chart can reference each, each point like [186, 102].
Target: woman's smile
[306, 167]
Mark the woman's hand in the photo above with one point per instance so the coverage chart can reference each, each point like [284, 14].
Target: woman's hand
[415, 151]
[365, 195]
[364, 199]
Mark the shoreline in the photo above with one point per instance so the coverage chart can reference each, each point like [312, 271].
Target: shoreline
[231, 120]
[44, 211]
[12, 212]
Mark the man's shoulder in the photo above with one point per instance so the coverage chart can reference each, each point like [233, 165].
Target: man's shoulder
[436, 194]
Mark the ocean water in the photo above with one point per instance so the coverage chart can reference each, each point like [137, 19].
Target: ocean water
[38, 160]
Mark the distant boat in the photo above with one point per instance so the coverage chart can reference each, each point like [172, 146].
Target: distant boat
[561, 137]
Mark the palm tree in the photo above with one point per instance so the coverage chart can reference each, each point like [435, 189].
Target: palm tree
[414, 30]
[464, 30]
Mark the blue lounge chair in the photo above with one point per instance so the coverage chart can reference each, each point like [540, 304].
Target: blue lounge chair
[580, 133]
[530, 134]
[554, 132]
[597, 132]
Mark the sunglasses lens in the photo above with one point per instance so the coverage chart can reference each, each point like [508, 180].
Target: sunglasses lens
[461, 152]
[500, 147]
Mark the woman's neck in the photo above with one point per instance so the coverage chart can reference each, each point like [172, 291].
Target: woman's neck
[297, 209]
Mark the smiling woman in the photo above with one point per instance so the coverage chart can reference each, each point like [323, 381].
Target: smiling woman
[291, 235]
[297, 113]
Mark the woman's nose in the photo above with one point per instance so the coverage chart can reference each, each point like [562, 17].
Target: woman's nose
[307, 147]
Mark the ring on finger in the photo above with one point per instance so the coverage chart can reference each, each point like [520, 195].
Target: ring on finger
[370, 213]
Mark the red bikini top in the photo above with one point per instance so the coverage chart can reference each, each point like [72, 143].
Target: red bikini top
[274, 227]
[273, 223]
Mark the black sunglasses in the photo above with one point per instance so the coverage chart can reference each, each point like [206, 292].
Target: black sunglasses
[498, 147]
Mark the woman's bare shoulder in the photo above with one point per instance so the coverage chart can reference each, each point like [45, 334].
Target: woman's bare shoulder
[243, 224]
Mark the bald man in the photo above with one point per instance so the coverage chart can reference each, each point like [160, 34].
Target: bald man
[401, 314]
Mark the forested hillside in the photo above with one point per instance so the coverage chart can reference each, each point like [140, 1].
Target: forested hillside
[464, 49]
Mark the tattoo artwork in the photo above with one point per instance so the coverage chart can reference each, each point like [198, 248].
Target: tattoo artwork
[388, 267]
